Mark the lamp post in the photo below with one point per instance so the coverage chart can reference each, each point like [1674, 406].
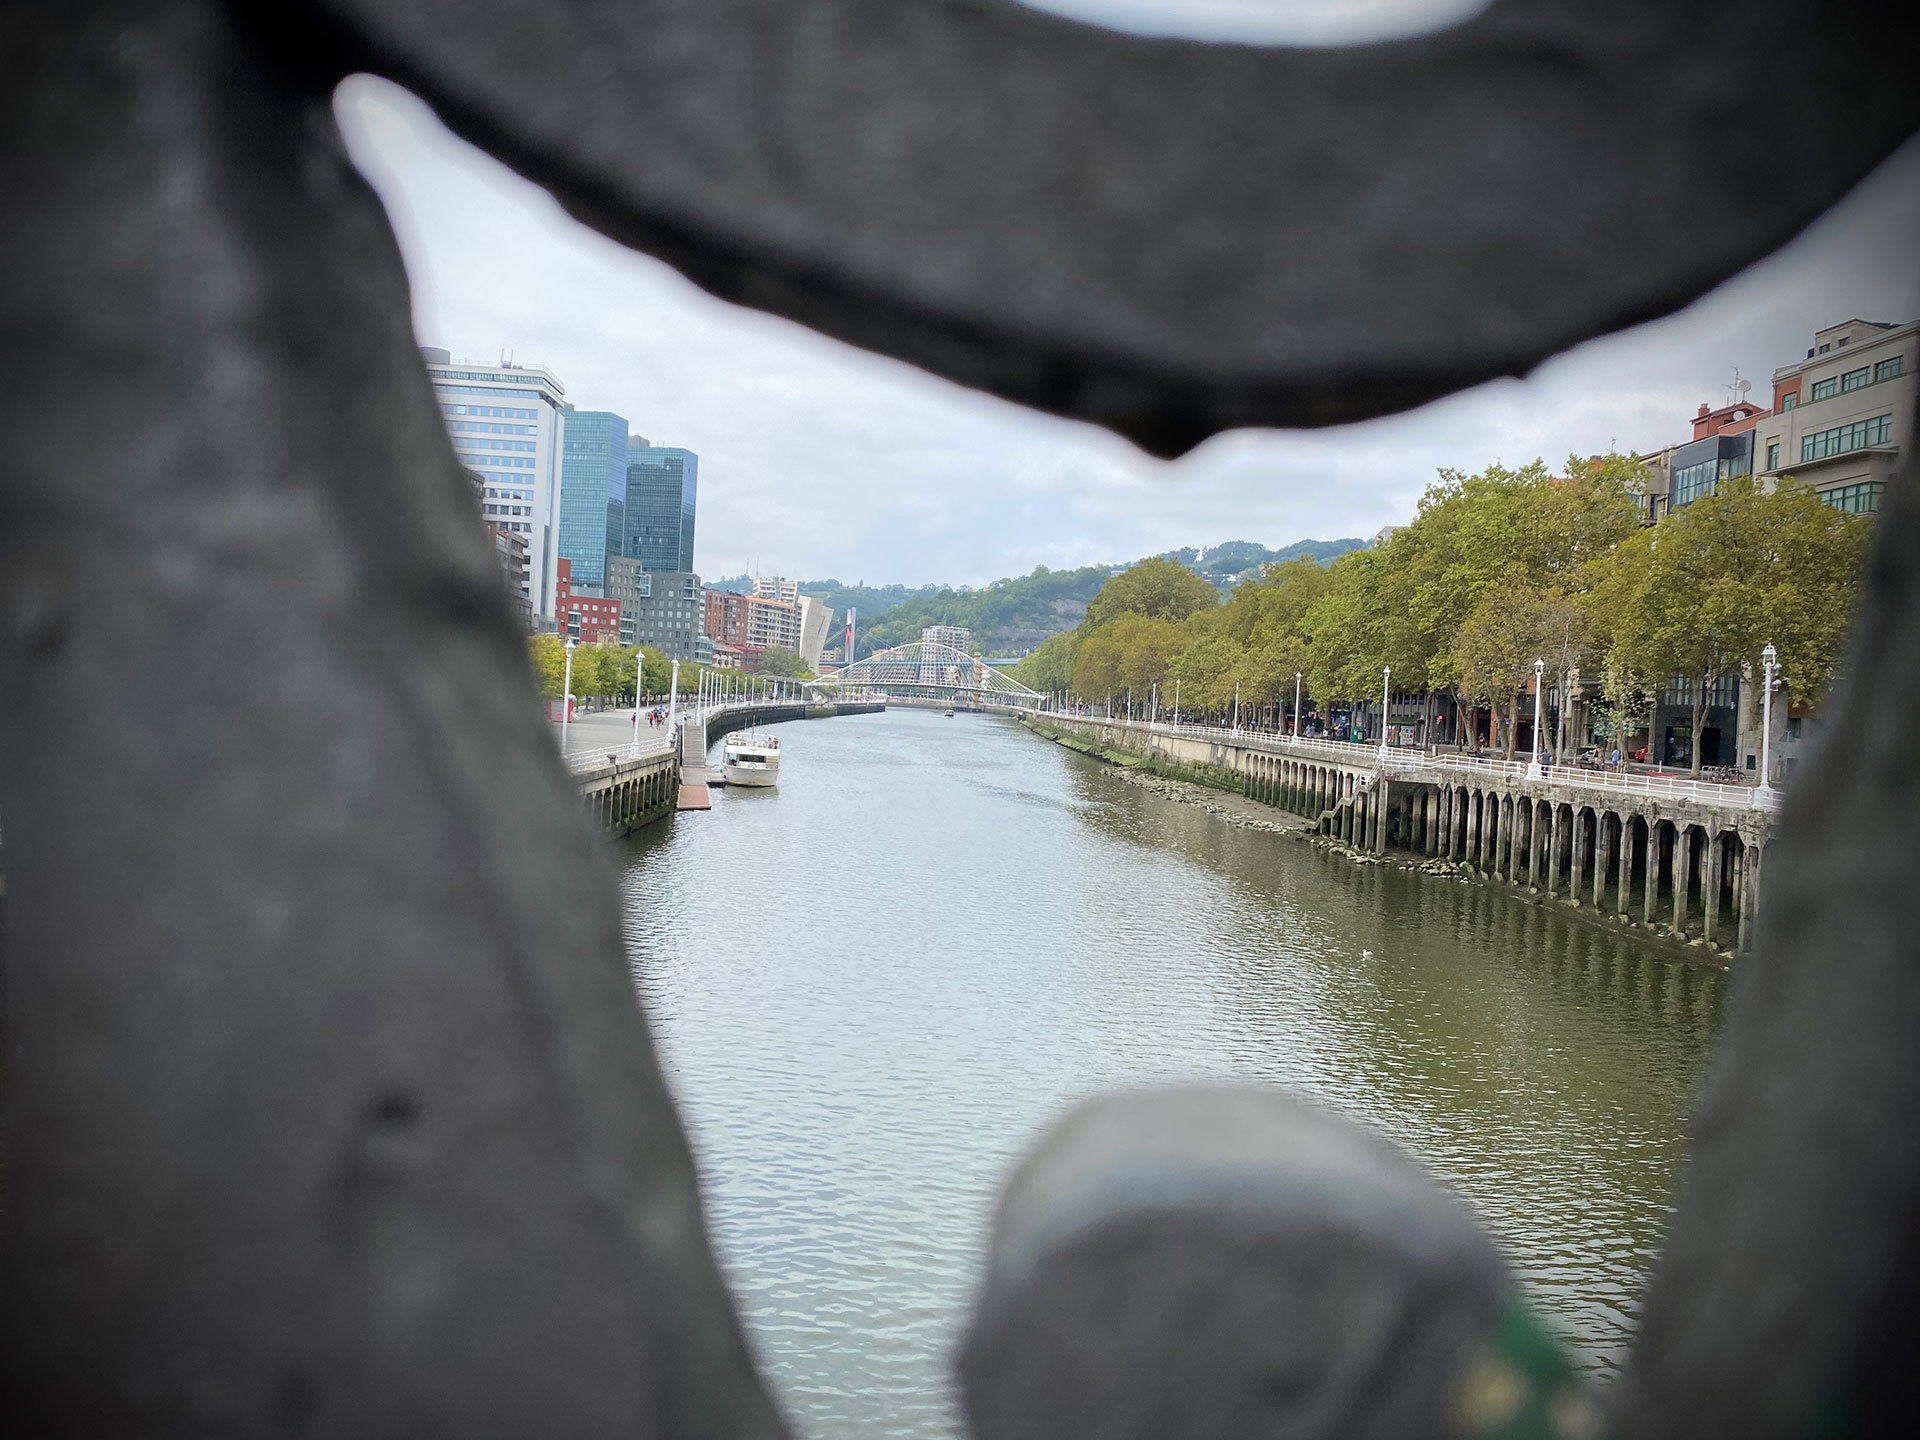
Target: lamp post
[1153, 701]
[1296, 707]
[1386, 674]
[673, 705]
[1236, 707]
[1176, 702]
[1534, 772]
[566, 696]
[639, 674]
[1770, 666]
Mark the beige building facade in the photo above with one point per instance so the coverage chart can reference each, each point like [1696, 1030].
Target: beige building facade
[1843, 416]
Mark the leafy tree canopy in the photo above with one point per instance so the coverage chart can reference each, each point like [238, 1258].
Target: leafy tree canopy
[1157, 589]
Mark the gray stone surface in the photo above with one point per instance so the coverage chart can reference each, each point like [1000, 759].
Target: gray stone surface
[328, 1109]
[1785, 1302]
[327, 1106]
[1165, 237]
[1225, 1262]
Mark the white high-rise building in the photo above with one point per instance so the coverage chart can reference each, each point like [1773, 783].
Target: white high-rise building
[953, 636]
[775, 587]
[504, 421]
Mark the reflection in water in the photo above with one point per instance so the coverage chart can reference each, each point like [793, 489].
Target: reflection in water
[874, 986]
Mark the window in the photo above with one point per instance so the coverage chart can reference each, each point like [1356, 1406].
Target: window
[1861, 499]
[1773, 455]
[1693, 481]
[1855, 379]
[1887, 369]
[1822, 389]
[1842, 438]
[1789, 400]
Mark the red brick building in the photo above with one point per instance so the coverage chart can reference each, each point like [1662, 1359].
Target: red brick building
[599, 618]
[726, 618]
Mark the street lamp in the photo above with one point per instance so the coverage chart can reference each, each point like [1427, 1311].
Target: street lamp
[1534, 772]
[1236, 707]
[1386, 674]
[1770, 664]
[639, 674]
[1176, 703]
[673, 705]
[566, 696]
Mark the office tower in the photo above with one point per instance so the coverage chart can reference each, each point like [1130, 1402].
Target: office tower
[593, 494]
[504, 421]
[662, 493]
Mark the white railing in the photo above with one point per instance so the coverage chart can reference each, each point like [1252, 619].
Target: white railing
[656, 739]
[653, 740]
[1406, 760]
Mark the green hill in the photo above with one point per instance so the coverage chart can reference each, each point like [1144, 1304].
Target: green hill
[1012, 616]
[1007, 617]
[1223, 566]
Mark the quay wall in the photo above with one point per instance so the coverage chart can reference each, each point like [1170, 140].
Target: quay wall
[1685, 866]
[627, 793]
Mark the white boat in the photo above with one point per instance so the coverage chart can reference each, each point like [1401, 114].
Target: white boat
[751, 760]
[949, 714]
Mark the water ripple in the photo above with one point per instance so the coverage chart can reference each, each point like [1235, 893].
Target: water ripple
[873, 987]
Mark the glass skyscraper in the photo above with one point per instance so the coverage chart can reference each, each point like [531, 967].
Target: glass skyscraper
[662, 493]
[593, 492]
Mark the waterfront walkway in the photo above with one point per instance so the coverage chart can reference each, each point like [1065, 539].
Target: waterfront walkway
[631, 779]
[1679, 856]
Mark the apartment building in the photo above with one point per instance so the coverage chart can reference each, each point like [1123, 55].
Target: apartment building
[662, 609]
[1843, 416]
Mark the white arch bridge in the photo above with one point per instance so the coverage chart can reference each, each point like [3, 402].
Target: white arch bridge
[931, 674]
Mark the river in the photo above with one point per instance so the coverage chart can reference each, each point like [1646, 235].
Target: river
[873, 987]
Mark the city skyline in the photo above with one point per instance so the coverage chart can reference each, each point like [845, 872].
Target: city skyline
[824, 461]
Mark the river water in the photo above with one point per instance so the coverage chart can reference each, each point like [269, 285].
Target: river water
[875, 986]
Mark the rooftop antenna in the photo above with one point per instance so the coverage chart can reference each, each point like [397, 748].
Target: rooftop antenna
[1740, 387]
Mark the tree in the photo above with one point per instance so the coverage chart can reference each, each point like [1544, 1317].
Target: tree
[1129, 652]
[1157, 589]
[1733, 571]
[1049, 667]
[784, 664]
[549, 656]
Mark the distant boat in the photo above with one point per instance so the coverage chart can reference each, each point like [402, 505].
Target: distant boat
[949, 714]
[751, 760]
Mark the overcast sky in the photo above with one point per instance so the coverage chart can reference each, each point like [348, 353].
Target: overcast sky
[819, 460]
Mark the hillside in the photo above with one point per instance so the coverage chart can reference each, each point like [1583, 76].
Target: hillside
[1223, 566]
[1011, 616]
[1006, 617]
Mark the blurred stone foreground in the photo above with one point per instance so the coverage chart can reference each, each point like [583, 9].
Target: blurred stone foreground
[327, 1107]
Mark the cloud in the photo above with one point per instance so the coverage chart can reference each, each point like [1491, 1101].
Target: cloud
[818, 459]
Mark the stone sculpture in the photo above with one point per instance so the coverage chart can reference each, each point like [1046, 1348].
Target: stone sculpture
[327, 1110]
